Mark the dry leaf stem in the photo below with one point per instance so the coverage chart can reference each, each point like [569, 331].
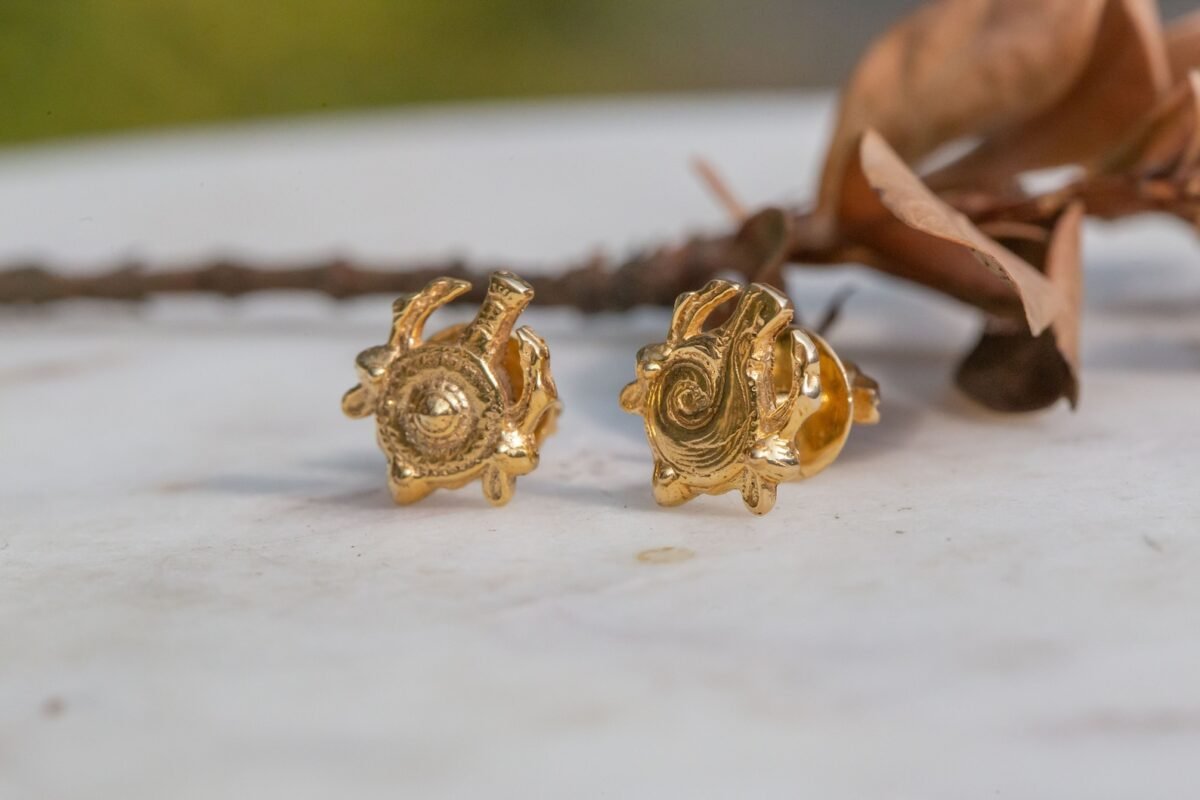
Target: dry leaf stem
[649, 278]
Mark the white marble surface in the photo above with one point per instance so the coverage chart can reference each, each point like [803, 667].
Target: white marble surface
[205, 591]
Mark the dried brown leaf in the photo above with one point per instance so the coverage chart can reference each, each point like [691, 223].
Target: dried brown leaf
[1125, 77]
[958, 68]
[1013, 370]
[911, 233]
[1064, 268]
[1168, 142]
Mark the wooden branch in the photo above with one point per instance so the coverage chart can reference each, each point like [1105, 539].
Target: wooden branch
[1103, 196]
[653, 277]
[650, 278]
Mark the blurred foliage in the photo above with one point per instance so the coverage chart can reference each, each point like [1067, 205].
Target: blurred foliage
[77, 66]
[72, 66]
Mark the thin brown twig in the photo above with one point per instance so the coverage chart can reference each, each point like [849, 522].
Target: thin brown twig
[718, 187]
[1104, 197]
[653, 277]
[650, 278]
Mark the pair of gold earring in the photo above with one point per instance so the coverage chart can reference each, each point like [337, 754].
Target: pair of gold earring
[745, 404]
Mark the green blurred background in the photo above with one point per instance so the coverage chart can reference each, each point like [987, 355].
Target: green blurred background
[71, 67]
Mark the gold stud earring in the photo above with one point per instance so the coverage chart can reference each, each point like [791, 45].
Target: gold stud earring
[473, 401]
[747, 404]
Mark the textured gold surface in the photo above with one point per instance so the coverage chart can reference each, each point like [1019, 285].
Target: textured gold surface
[474, 401]
[747, 404]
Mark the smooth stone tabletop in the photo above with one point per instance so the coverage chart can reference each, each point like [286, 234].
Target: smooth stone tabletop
[205, 590]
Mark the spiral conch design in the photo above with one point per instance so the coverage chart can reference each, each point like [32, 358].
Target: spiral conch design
[745, 405]
[474, 401]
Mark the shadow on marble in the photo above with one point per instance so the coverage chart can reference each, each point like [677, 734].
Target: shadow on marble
[373, 493]
[899, 423]
[1158, 353]
[595, 393]
[359, 461]
[923, 380]
[378, 498]
[1138, 307]
[629, 496]
[248, 484]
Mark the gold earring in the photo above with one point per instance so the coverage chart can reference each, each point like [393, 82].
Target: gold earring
[747, 404]
[473, 401]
